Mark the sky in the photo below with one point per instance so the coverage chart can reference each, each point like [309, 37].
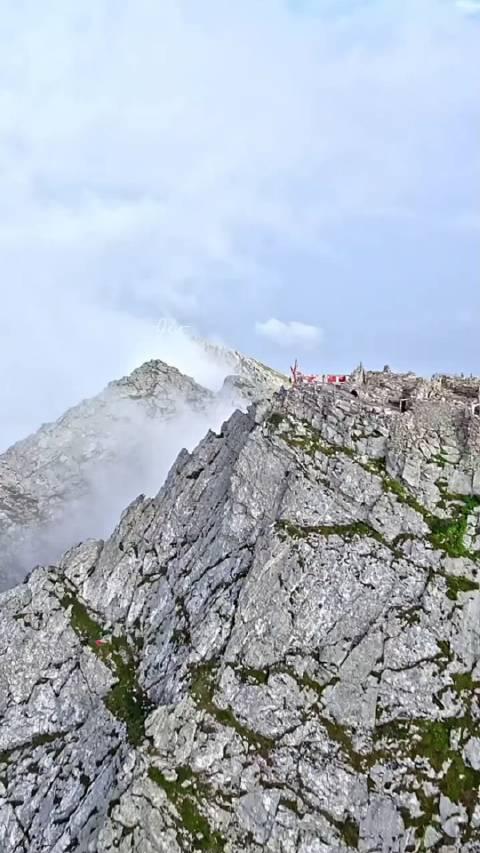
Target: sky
[293, 178]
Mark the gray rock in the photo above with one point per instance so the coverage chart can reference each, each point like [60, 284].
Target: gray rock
[471, 753]
[431, 837]
[279, 651]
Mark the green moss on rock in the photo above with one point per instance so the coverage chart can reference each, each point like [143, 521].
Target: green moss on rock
[126, 700]
[346, 531]
[350, 833]
[276, 419]
[449, 533]
[203, 689]
[186, 803]
[463, 681]
[432, 740]
[457, 584]
[461, 783]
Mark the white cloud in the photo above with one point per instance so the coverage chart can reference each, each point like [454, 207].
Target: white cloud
[165, 159]
[290, 333]
[59, 370]
[469, 7]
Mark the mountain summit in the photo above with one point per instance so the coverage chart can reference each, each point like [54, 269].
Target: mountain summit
[72, 478]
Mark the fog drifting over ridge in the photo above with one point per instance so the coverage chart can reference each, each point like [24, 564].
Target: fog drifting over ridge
[133, 343]
[72, 480]
[236, 167]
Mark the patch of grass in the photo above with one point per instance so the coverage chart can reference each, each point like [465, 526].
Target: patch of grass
[439, 459]
[180, 637]
[202, 685]
[247, 674]
[341, 735]
[456, 584]
[375, 466]
[291, 805]
[346, 531]
[461, 783]
[429, 807]
[445, 649]
[203, 689]
[310, 445]
[469, 503]
[463, 681]
[431, 740]
[348, 828]
[378, 467]
[186, 802]
[126, 700]
[402, 538]
[448, 535]
[303, 681]
[309, 439]
[411, 615]
[276, 419]
[310, 683]
[434, 742]
[350, 832]
[81, 621]
[401, 492]
[293, 530]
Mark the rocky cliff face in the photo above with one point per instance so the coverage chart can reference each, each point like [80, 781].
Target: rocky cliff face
[252, 372]
[279, 652]
[73, 477]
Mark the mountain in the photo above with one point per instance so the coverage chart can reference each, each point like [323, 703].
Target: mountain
[72, 478]
[258, 376]
[279, 652]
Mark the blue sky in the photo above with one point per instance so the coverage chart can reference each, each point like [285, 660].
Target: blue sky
[295, 179]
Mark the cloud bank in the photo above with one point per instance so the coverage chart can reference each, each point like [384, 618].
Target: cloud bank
[223, 162]
[133, 453]
[470, 7]
[291, 333]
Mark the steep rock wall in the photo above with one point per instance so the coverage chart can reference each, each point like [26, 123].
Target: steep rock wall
[279, 652]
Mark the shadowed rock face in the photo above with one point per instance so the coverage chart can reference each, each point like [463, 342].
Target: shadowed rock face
[279, 652]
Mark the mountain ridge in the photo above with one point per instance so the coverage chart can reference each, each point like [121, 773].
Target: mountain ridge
[71, 478]
[277, 652]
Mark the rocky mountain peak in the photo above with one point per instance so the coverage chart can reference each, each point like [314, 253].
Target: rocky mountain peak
[277, 652]
[261, 375]
[71, 479]
[156, 378]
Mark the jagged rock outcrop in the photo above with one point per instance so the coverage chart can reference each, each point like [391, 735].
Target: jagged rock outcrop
[255, 374]
[279, 652]
[72, 478]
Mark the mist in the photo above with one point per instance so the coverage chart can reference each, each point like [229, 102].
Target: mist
[58, 371]
[130, 455]
[235, 166]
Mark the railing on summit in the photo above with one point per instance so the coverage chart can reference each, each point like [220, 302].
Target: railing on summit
[299, 378]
